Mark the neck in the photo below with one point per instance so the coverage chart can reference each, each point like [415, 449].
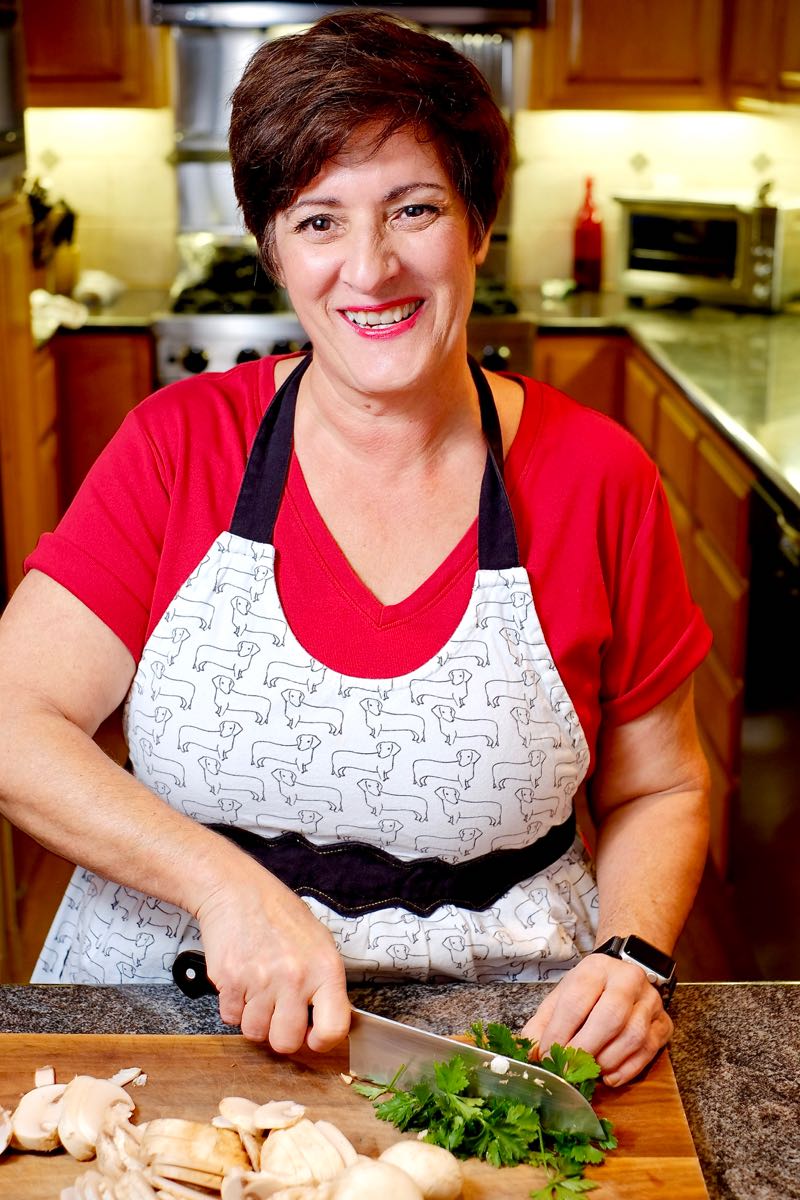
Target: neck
[405, 427]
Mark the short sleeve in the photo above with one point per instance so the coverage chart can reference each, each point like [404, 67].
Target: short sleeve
[660, 635]
[107, 546]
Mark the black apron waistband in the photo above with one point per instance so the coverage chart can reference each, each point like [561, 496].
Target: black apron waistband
[353, 878]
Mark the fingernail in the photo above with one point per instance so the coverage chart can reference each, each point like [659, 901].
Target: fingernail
[611, 1080]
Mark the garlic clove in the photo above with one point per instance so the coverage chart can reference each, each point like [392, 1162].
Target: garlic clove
[84, 1106]
[34, 1121]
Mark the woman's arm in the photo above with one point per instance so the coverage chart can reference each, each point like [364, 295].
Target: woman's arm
[650, 803]
[62, 671]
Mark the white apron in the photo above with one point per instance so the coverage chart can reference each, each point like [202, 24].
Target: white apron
[427, 820]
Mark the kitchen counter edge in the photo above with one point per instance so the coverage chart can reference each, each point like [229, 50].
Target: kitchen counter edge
[735, 1053]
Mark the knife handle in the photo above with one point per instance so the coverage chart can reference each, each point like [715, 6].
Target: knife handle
[190, 974]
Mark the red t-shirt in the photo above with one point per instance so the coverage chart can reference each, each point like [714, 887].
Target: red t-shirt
[592, 521]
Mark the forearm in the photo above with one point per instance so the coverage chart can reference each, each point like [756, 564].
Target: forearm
[59, 787]
[650, 855]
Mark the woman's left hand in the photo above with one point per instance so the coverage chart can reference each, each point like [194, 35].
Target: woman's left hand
[608, 1008]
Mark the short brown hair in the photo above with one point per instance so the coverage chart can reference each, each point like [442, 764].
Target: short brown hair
[303, 96]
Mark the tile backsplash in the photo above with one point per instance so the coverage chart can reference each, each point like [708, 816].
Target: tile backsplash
[113, 167]
[655, 153]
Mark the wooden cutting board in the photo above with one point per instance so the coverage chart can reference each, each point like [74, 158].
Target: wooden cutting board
[188, 1075]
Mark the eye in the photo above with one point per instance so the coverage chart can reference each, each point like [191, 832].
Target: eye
[415, 211]
[316, 224]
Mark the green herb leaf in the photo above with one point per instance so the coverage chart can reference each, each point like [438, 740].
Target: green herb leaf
[498, 1039]
[576, 1066]
[452, 1076]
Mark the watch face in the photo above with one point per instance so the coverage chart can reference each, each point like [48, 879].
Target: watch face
[647, 955]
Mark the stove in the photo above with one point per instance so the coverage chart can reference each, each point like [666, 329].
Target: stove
[225, 310]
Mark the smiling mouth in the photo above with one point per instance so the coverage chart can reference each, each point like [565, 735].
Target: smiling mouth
[371, 318]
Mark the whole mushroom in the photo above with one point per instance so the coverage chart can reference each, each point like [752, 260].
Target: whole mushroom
[436, 1172]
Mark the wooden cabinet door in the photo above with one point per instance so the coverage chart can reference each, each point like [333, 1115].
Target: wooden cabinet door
[787, 82]
[629, 54]
[750, 56]
[101, 377]
[94, 53]
[640, 403]
[587, 368]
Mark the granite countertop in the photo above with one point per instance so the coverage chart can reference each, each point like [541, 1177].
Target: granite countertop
[736, 1054]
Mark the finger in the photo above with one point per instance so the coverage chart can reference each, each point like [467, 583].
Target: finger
[636, 1062]
[231, 1005]
[642, 1037]
[289, 1024]
[573, 1001]
[257, 1018]
[331, 1017]
[623, 1011]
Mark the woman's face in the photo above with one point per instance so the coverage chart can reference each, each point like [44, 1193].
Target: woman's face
[376, 256]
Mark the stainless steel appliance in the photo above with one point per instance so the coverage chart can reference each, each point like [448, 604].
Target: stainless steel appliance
[224, 309]
[712, 250]
[12, 103]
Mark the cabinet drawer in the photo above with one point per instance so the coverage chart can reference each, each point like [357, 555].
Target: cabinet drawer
[640, 403]
[719, 709]
[722, 793]
[722, 499]
[722, 595]
[675, 451]
[684, 528]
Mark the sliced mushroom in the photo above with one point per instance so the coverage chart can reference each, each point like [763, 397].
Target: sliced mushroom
[192, 1144]
[337, 1138]
[5, 1128]
[436, 1172]
[240, 1113]
[277, 1114]
[44, 1076]
[252, 1145]
[125, 1076]
[85, 1103]
[34, 1122]
[181, 1191]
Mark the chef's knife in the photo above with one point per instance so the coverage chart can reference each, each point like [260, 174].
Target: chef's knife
[379, 1047]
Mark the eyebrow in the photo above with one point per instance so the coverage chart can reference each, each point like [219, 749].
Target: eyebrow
[395, 193]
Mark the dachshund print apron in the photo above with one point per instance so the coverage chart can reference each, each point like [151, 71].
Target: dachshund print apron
[426, 820]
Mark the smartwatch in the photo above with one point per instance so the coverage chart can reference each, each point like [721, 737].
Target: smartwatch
[657, 966]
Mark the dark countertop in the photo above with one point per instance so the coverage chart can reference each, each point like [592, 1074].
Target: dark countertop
[736, 1054]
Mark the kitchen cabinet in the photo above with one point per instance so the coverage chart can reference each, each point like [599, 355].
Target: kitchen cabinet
[617, 54]
[96, 53]
[101, 377]
[763, 51]
[709, 487]
[586, 367]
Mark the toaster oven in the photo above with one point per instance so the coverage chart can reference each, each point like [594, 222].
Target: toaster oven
[713, 251]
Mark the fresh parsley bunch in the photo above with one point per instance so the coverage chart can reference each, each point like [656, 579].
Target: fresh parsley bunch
[503, 1132]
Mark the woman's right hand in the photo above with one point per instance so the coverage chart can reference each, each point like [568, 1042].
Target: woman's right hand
[269, 959]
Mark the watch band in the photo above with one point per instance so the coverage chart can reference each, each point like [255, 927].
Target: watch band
[657, 966]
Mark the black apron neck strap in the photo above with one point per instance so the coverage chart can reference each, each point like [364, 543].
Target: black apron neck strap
[267, 467]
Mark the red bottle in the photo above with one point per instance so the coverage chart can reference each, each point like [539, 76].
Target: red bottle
[587, 259]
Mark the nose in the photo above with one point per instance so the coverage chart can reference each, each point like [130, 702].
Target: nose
[370, 259]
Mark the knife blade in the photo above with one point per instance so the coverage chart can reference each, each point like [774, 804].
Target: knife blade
[379, 1047]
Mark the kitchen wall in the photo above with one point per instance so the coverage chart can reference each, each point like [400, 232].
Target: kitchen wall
[632, 151]
[111, 166]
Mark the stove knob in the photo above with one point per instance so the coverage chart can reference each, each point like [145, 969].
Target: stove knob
[248, 355]
[495, 358]
[194, 360]
[284, 347]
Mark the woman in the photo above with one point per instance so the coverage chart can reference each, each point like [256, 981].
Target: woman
[359, 668]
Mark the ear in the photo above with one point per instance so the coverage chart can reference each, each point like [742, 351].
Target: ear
[483, 249]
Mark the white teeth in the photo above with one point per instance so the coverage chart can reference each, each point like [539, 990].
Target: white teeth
[387, 316]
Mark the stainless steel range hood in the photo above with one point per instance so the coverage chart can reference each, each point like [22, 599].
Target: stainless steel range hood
[260, 14]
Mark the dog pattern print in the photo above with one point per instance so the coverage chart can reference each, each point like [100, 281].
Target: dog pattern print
[232, 722]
